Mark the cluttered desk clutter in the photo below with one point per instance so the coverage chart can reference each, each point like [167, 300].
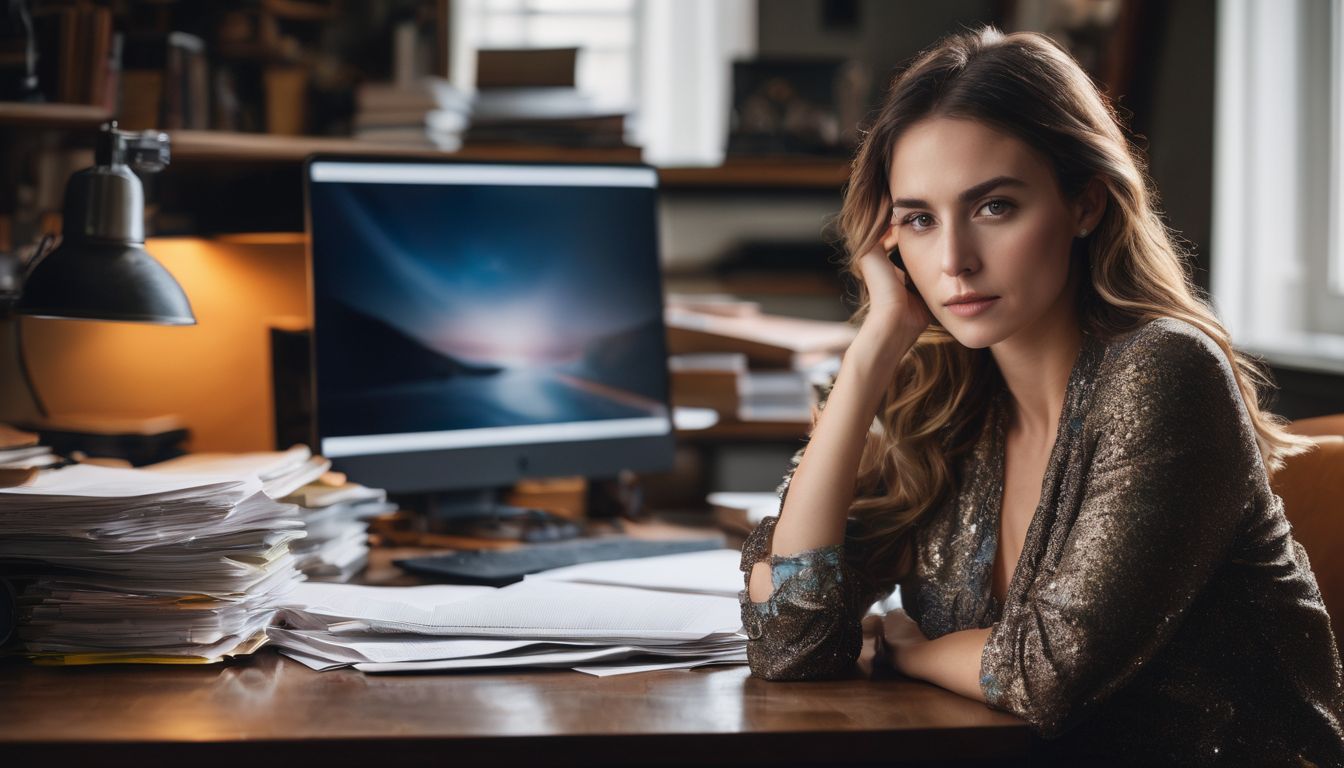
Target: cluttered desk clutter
[473, 488]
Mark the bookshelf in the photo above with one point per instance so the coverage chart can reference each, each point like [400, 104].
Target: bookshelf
[206, 147]
[785, 173]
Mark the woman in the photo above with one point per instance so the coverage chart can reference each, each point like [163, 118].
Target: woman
[1067, 475]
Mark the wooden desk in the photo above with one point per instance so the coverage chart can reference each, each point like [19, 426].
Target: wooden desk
[268, 710]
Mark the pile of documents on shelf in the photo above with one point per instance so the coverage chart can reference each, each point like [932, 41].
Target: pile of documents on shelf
[667, 612]
[725, 354]
[524, 96]
[129, 565]
[428, 112]
[334, 512]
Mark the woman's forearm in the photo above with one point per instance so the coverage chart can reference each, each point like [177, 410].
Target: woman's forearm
[951, 661]
[822, 486]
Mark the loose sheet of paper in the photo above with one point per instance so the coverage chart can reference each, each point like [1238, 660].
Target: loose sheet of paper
[712, 572]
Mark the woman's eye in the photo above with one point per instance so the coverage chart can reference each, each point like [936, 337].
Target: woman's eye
[1003, 207]
[916, 219]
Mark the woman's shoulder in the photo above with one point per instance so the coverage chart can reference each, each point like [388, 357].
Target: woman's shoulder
[1168, 348]
[1166, 372]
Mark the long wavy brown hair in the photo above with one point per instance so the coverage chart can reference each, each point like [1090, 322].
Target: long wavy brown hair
[1132, 270]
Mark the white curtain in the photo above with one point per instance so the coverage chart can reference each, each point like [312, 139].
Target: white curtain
[1277, 169]
[685, 77]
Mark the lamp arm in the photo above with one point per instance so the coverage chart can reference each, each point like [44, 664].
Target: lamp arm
[40, 251]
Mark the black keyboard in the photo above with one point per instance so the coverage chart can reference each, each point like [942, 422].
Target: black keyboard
[498, 567]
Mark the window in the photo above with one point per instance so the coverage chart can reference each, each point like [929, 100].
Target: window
[1278, 251]
[665, 61]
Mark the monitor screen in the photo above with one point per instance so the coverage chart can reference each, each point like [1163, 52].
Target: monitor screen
[479, 323]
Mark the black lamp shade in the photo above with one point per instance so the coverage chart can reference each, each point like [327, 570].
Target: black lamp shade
[93, 280]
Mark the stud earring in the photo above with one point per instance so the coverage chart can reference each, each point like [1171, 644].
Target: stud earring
[1082, 232]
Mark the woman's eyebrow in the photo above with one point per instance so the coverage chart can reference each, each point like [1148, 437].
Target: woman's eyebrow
[967, 196]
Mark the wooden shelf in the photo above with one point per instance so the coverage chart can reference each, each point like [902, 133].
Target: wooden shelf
[782, 172]
[730, 431]
[51, 115]
[207, 147]
[219, 146]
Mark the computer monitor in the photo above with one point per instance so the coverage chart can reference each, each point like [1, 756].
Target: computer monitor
[478, 323]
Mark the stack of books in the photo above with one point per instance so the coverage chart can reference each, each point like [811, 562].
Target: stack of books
[529, 96]
[523, 97]
[428, 113]
[549, 116]
[747, 365]
[128, 565]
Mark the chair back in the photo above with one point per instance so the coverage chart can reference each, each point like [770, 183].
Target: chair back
[1312, 488]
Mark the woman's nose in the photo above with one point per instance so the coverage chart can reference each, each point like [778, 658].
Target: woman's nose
[958, 254]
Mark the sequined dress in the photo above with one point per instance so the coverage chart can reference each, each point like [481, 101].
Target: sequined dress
[1160, 611]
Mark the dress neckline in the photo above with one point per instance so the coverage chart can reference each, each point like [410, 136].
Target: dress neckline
[1077, 394]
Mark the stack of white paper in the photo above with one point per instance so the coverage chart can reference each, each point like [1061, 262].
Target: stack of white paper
[334, 516]
[280, 472]
[131, 565]
[711, 572]
[336, 521]
[20, 450]
[539, 622]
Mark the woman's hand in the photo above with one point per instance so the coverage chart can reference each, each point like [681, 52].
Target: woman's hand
[897, 640]
[898, 309]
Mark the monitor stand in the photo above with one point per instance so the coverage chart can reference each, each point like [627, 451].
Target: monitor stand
[480, 514]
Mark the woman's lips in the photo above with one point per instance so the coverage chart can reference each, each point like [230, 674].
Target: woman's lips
[971, 308]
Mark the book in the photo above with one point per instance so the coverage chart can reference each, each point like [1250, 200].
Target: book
[722, 381]
[411, 136]
[443, 120]
[526, 67]
[775, 396]
[425, 94]
[707, 380]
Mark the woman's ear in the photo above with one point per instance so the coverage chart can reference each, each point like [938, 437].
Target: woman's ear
[1090, 206]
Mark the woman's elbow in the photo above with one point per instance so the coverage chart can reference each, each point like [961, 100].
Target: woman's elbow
[803, 647]
[834, 658]
[1043, 698]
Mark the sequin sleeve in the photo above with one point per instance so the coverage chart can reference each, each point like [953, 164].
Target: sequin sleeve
[809, 626]
[1168, 484]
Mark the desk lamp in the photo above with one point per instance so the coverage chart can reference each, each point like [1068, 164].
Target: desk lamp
[100, 270]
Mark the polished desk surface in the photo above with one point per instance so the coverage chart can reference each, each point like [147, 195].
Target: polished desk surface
[267, 709]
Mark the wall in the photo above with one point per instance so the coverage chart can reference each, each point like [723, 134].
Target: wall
[1180, 125]
[214, 375]
[887, 33]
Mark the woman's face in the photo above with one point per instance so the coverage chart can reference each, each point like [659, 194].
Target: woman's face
[977, 211]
